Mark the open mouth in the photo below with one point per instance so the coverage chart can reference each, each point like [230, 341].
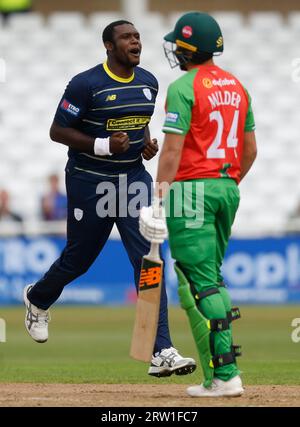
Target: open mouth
[135, 52]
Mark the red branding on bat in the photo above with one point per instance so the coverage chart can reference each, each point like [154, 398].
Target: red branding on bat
[150, 277]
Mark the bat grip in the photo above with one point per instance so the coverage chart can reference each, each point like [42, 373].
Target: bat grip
[154, 252]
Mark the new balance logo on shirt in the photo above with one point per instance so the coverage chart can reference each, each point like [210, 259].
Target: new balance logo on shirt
[111, 98]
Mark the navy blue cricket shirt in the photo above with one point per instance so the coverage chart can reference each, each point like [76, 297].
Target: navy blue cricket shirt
[98, 103]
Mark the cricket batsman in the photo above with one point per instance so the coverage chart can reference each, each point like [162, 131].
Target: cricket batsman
[209, 147]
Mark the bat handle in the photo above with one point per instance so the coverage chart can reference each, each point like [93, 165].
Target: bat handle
[154, 252]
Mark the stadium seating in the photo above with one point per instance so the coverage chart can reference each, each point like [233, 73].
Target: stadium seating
[43, 54]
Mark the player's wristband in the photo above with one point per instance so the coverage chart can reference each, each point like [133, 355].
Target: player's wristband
[101, 147]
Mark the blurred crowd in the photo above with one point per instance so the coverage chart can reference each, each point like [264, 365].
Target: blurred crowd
[53, 204]
[6, 214]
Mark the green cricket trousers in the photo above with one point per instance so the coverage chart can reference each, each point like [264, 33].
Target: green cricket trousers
[200, 214]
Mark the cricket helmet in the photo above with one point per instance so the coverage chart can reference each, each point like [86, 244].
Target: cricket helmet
[196, 32]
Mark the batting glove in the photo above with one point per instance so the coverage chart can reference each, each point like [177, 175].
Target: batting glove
[153, 223]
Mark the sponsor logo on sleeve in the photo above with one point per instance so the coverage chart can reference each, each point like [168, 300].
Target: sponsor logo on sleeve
[70, 108]
[172, 117]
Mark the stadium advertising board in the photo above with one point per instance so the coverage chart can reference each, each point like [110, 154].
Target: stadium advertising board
[263, 270]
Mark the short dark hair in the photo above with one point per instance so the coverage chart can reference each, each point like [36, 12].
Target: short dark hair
[108, 33]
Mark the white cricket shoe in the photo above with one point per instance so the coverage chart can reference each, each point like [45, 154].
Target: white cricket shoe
[36, 319]
[219, 388]
[169, 361]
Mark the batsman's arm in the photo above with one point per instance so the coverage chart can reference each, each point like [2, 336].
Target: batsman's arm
[169, 161]
[249, 153]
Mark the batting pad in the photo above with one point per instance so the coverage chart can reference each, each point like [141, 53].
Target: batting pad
[199, 326]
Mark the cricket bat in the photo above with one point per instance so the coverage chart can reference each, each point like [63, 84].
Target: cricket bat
[147, 306]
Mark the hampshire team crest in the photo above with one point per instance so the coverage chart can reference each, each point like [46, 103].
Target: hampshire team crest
[148, 94]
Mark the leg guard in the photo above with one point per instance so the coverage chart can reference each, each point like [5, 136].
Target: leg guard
[233, 313]
[211, 305]
[199, 326]
[211, 328]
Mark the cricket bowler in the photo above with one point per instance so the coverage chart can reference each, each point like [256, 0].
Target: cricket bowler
[103, 118]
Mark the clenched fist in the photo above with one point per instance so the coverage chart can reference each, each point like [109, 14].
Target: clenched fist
[118, 142]
[150, 149]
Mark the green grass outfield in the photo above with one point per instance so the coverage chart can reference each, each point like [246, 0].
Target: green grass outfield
[91, 345]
